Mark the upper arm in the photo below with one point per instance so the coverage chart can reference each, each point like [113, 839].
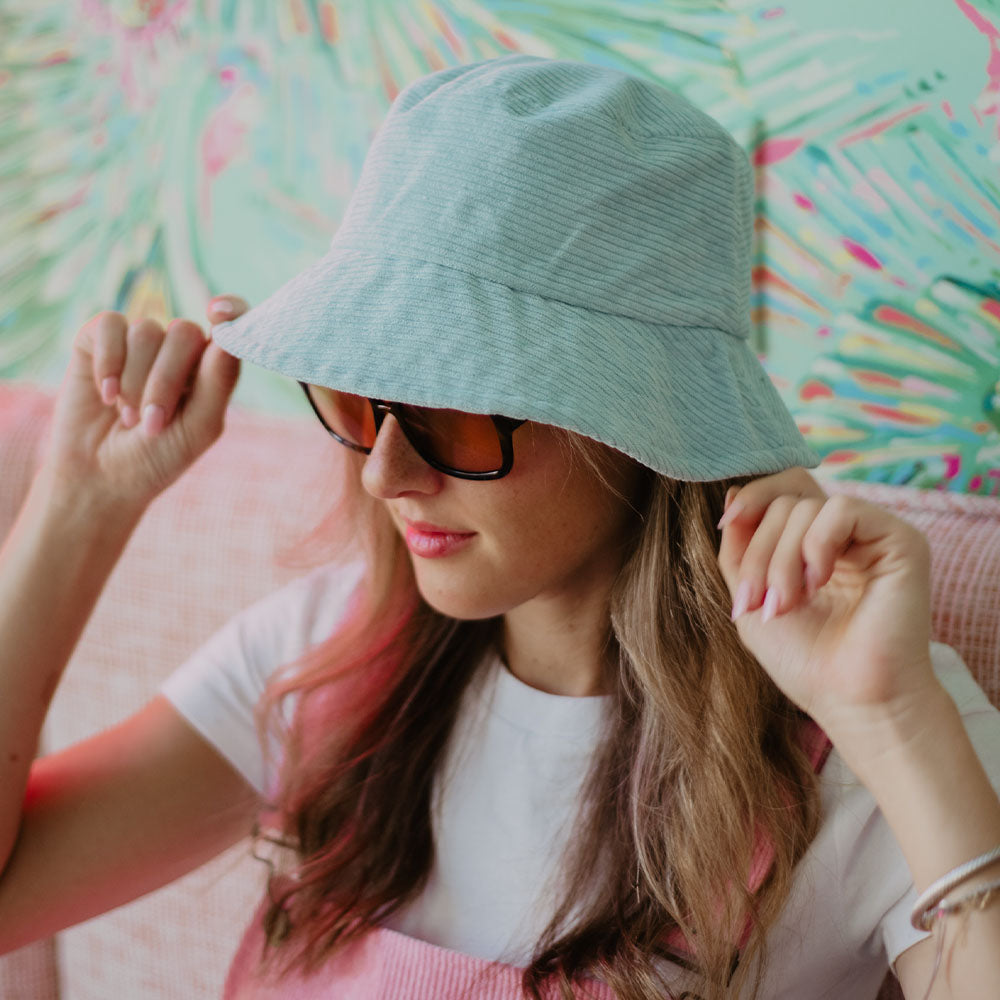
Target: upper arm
[116, 816]
[914, 967]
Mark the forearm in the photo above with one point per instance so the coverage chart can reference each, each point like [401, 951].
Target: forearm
[53, 566]
[932, 789]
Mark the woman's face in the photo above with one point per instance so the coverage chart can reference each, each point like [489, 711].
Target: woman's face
[549, 529]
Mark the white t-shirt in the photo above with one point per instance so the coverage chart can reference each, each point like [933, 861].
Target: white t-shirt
[506, 797]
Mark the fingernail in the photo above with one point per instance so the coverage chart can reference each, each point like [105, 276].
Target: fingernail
[735, 509]
[771, 598]
[223, 306]
[152, 419]
[810, 582]
[742, 599]
[109, 389]
[129, 416]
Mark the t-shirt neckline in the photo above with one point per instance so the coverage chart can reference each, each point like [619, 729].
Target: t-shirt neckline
[540, 712]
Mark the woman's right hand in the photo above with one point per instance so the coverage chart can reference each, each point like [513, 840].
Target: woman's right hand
[100, 447]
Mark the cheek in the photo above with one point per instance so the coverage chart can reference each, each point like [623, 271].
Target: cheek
[538, 533]
[551, 531]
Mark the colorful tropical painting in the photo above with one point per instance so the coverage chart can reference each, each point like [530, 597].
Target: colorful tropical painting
[154, 153]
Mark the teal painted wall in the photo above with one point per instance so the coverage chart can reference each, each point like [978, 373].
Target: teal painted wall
[153, 154]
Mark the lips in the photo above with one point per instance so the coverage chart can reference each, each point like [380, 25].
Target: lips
[434, 529]
[431, 541]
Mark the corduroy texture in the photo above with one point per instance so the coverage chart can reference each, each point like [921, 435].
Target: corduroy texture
[549, 240]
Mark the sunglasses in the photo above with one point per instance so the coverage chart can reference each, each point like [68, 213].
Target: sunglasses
[464, 445]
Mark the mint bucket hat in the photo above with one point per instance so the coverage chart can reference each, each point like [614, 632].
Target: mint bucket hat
[548, 240]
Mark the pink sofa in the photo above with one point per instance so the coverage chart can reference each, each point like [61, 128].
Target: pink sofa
[205, 550]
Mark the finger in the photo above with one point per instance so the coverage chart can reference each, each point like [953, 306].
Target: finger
[785, 575]
[225, 307]
[168, 378]
[213, 385]
[751, 500]
[746, 550]
[108, 341]
[855, 531]
[142, 344]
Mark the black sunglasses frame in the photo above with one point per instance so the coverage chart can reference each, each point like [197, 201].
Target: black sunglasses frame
[505, 427]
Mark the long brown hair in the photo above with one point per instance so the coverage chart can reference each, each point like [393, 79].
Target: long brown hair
[701, 760]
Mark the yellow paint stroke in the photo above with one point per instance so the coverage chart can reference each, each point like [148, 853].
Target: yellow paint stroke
[934, 413]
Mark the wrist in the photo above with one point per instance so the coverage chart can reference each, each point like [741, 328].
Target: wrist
[79, 505]
[74, 511]
[925, 776]
[875, 736]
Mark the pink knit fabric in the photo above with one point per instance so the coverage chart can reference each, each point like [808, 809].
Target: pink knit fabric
[385, 965]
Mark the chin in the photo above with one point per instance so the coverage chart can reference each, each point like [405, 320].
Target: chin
[457, 601]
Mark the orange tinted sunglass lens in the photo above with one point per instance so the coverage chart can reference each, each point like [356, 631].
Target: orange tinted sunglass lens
[347, 415]
[465, 441]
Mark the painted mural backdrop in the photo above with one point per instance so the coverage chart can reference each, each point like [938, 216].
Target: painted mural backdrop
[155, 153]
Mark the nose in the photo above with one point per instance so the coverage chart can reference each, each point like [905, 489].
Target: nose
[393, 468]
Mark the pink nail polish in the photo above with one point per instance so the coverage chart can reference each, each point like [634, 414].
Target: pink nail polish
[742, 600]
[152, 419]
[771, 599]
[109, 390]
[735, 509]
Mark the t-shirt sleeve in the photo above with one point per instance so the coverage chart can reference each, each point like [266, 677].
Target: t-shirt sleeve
[217, 688]
[982, 723]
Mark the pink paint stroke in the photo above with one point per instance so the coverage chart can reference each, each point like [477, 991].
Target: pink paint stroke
[992, 32]
[776, 150]
[880, 126]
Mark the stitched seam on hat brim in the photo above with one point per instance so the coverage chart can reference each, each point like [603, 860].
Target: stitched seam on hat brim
[570, 421]
[545, 298]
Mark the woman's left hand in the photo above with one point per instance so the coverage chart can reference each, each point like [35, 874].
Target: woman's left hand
[850, 584]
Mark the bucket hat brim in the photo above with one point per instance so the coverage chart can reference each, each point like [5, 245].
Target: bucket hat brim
[693, 403]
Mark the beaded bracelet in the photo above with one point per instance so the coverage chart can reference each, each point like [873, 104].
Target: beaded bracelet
[922, 915]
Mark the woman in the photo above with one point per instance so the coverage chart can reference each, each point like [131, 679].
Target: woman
[555, 714]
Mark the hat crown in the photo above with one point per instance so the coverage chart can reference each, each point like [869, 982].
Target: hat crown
[566, 180]
[553, 241]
